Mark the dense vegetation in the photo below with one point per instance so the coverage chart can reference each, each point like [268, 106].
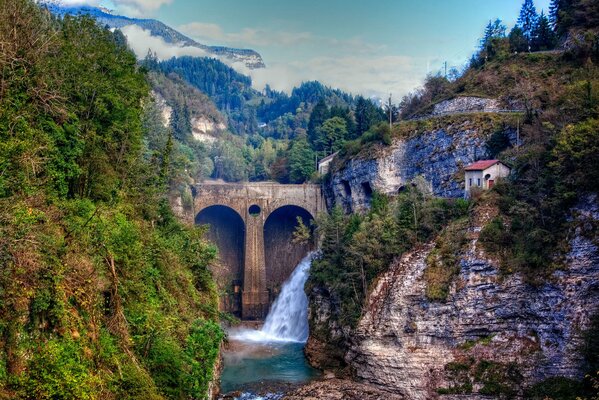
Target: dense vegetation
[273, 135]
[554, 168]
[356, 248]
[103, 294]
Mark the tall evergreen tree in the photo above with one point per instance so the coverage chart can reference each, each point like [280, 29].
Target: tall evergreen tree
[560, 15]
[320, 113]
[367, 115]
[493, 30]
[544, 37]
[528, 19]
[518, 42]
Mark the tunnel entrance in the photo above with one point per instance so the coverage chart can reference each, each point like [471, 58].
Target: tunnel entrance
[281, 254]
[227, 231]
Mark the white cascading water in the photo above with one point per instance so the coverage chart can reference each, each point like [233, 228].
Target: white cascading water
[287, 320]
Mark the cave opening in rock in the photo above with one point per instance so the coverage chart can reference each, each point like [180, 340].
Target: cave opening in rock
[227, 231]
[281, 253]
[367, 190]
[346, 188]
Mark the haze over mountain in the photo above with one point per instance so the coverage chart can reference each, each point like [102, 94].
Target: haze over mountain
[372, 51]
[166, 42]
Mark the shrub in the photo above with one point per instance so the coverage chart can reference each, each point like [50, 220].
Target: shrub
[557, 388]
[443, 261]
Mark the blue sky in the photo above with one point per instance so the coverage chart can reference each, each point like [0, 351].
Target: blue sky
[367, 47]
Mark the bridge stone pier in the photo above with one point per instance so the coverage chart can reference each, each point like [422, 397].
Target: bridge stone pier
[252, 225]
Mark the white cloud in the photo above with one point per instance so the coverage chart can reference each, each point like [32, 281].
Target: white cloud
[374, 76]
[351, 64]
[203, 32]
[141, 40]
[138, 8]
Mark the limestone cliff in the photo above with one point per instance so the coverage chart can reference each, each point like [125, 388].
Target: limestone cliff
[493, 333]
[436, 153]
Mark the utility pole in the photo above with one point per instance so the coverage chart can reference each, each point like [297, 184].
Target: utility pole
[445, 63]
[390, 113]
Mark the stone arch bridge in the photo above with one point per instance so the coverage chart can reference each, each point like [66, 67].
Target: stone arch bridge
[252, 225]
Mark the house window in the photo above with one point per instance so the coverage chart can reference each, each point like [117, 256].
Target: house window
[478, 182]
[470, 182]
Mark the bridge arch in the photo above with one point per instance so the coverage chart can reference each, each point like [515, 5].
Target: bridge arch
[268, 211]
[227, 231]
[280, 253]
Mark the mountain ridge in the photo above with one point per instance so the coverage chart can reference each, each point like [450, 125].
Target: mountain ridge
[251, 58]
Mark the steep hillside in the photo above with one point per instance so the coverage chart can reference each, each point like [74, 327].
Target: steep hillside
[493, 335]
[103, 294]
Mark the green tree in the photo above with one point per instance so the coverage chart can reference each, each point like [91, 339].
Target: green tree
[527, 19]
[320, 113]
[301, 161]
[518, 42]
[367, 115]
[543, 38]
[332, 135]
[494, 30]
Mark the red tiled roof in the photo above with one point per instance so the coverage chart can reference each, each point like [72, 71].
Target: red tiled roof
[481, 165]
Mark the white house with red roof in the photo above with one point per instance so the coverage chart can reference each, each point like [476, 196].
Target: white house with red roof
[484, 173]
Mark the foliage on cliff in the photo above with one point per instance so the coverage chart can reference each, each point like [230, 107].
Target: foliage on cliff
[103, 294]
[552, 162]
[356, 248]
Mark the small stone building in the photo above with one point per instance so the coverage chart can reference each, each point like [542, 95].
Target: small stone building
[484, 173]
[325, 164]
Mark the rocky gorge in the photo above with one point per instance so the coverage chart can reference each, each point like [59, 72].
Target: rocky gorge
[495, 334]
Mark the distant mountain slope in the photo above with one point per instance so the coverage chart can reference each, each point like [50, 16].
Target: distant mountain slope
[250, 58]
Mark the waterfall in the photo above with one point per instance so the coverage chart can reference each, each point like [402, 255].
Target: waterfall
[287, 320]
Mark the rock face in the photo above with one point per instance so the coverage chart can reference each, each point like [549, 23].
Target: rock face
[414, 347]
[166, 111]
[203, 127]
[338, 389]
[466, 104]
[439, 156]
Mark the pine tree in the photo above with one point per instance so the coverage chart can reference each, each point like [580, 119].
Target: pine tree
[494, 29]
[544, 37]
[518, 42]
[528, 19]
[560, 15]
[367, 115]
[320, 113]
[554, 13]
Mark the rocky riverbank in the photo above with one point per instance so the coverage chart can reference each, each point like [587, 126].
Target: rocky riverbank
[340, 389]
